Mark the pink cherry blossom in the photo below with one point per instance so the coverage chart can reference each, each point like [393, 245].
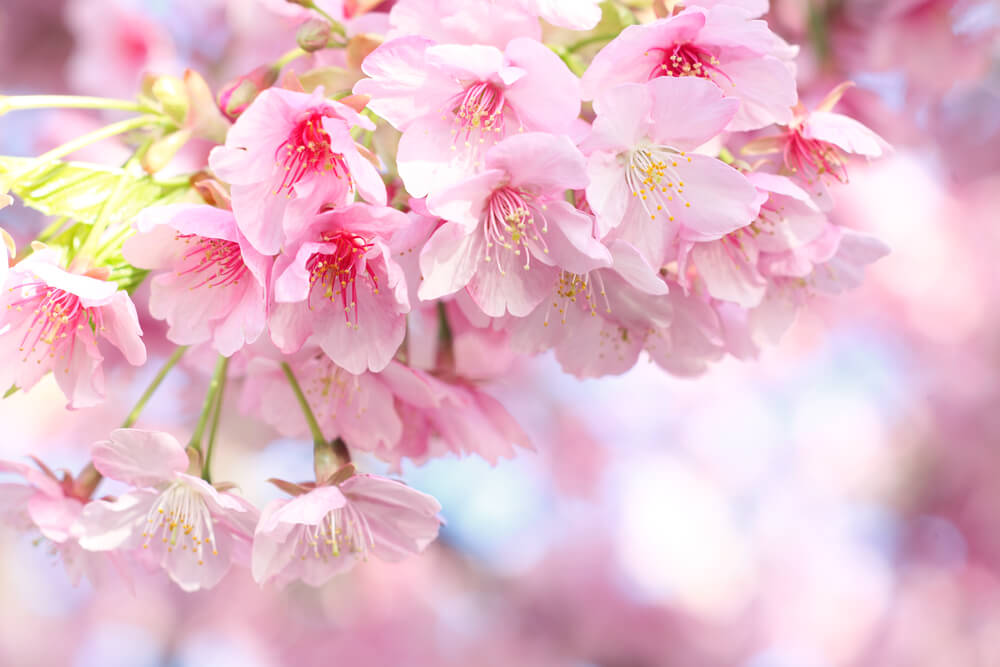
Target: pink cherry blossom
[214, 284]
[329, 526]
[597, 322]
[360, 409]
[723, 45]
[51, 507]
[509, 232]
[454, 102]
[646, 185]
[288, 155]
[813, 145]
[839, 258]
[341, 286]
[182, 523]
[447, 414]
[51, 319]
[735, 267]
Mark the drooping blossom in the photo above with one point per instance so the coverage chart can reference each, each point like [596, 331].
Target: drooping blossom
[444, 414]
[454, 102]
[190, 528]
[212, 284]
[288, 155]
[736, 267]
[646, 186]
[358, 408]
[341, 286]
[509, 232]
[597, 322]
[51, 507]
[51, 320]
[723, 45]
[840, 257]
[813, 145]
[327, 527]
[694, 338]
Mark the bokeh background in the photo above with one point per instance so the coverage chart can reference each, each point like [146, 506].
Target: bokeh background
[836, 502]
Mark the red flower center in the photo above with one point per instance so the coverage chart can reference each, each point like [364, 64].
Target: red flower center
[58, 316]
[338, 269]
[686, 59]
[307, 151]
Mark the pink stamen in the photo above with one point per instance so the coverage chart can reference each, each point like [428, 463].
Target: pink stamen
[338, 270]
[687, 59]
[217, 261]
[307, 151]
[812, 158]
[57, 317]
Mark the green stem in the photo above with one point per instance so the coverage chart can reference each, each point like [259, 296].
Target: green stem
[314, 429]
[206, 467]
[105, 132]
[726, 156]
[294, 54]
[153, 386]
[20, 102]
[335, 25]
[206, 409]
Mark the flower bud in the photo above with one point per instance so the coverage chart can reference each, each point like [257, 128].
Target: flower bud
[170, 92]
[237, 95]
[313, 35]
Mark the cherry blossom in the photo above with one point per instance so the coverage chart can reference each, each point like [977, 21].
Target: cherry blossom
[185, 525]
[723, 45]
[215, 284]
[340, 285]
[330, 525]
[453, 102]
[287, 170]
[508, 230]
[51, 320]
[647, 186]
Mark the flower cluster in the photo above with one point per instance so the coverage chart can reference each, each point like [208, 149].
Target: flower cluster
[362, 257]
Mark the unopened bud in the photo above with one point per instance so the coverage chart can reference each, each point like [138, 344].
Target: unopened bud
[237, 95]
[313, 35]
[170, 92]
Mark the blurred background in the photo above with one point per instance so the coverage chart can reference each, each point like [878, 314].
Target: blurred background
[834, 503]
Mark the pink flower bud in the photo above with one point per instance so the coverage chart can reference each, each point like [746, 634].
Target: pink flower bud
[313, 35]
[237, 95]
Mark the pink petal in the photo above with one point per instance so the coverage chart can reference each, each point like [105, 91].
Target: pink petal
[548, 96]
[543, 162]
[688, 111]
[140, 458]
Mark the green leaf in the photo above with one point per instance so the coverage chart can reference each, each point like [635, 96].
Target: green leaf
[78, 190]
